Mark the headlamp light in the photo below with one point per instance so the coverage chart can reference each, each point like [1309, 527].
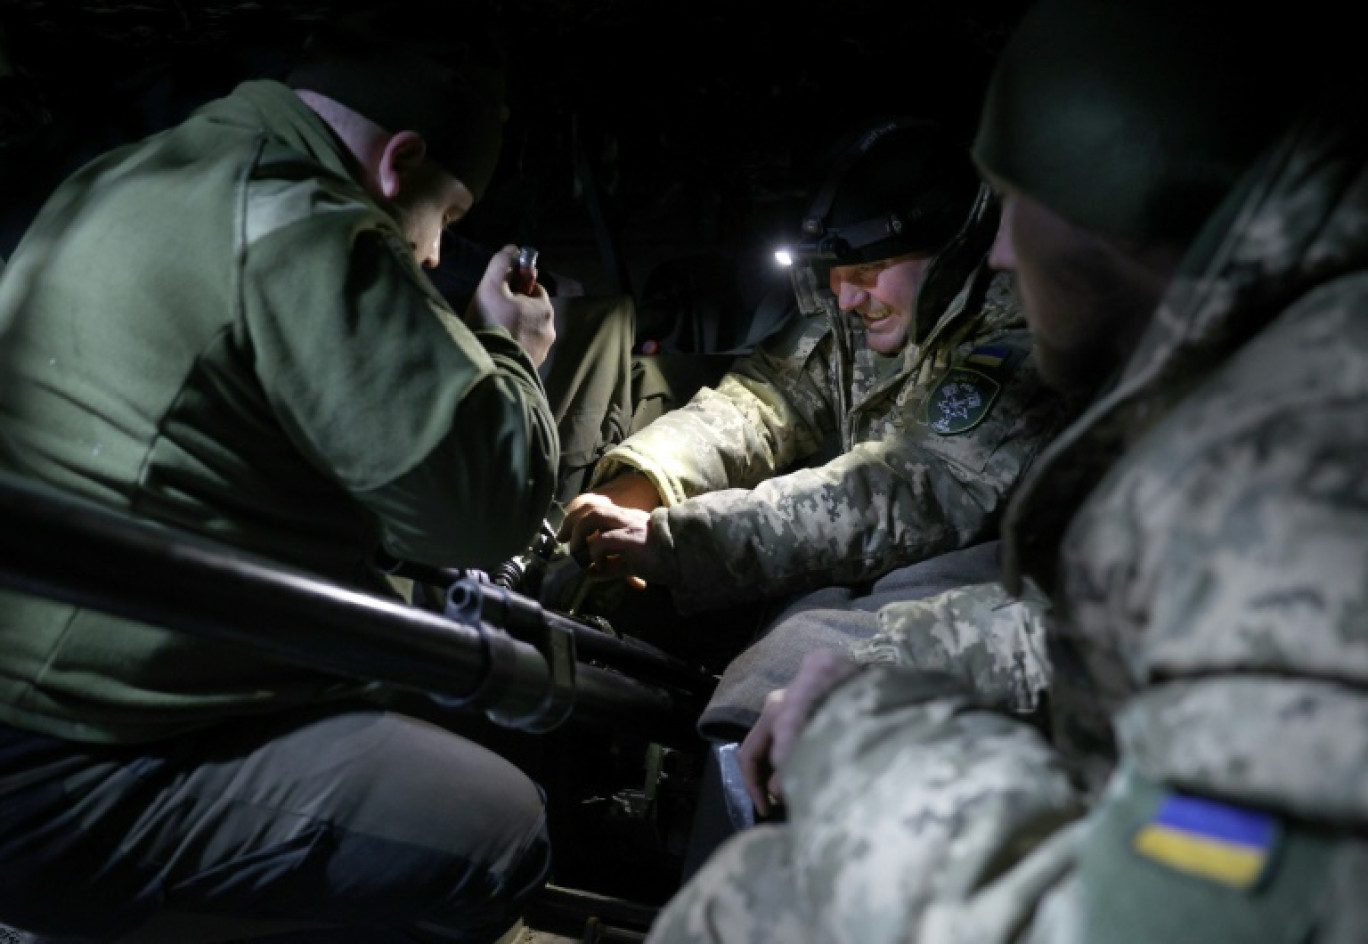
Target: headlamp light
[841, 246]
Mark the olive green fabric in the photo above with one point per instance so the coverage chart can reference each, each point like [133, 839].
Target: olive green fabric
[600, 392]
[1086, 115]
[219, 330]
[1129, 898]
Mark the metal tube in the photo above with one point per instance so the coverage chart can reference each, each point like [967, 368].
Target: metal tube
[74, 550]
[470, 601]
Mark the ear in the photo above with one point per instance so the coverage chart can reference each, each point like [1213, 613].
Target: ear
[402, 154]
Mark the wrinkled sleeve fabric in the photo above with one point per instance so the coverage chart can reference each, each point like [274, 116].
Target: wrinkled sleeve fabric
[990, 640]
[903, 498]
[967, 792]
[443, 433]
[1256, 636]
[769, 412]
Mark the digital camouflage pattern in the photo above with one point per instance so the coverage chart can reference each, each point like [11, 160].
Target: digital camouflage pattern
[893, 750]
[747, 513]
[1207, 633]
[992, 641]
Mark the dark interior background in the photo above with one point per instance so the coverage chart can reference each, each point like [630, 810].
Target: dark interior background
[653, 148]
[659, 149]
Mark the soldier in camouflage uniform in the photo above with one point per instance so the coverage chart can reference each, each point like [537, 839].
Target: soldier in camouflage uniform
[1202, 529]
[885, 429]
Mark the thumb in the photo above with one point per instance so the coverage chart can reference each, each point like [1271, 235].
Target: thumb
[494, 279]
[501, 262]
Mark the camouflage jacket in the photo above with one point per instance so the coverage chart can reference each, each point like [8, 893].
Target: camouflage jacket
[925, 453]
[1206, 630]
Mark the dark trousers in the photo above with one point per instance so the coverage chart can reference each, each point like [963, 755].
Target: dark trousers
[354, 817]
[601, 392]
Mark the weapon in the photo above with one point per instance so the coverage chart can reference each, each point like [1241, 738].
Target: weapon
[475, 598]
[55, 545]
[59, 546]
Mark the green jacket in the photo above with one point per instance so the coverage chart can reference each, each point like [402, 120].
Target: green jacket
[811, 463]
[218, 329]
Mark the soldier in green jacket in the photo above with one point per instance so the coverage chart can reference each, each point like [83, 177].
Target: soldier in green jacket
[1186, 209]
[226, 328]
[884, 429]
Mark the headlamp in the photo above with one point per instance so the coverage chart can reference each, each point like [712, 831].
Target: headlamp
[900, 187]
[843, 245]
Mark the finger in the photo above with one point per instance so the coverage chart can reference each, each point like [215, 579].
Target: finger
[500, 263]
[789, 723]
[615, 542]
[775, 789]
[753, 756]
[566, 532]
[784, 728]
[613, 568]
[603, 554]
[754, 772]
[759, 798]
[586, 526]
[574, 514]
[601, 514]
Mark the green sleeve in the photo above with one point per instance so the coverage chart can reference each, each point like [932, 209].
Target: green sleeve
[444, 434]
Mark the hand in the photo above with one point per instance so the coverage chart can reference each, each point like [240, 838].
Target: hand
[631, 489]
[529, 318]
[782, 718]
[618, 542]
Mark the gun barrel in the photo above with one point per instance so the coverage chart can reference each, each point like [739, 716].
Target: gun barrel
[522, 617]
[73, 550]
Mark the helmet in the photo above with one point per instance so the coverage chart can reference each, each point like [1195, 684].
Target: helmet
[900, 185]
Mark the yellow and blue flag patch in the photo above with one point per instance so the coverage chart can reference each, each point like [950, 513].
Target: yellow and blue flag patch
[1227, 844]
[989, 355]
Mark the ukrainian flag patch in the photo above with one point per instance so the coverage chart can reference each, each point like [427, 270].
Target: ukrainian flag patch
[1227, 844]
[989, 355]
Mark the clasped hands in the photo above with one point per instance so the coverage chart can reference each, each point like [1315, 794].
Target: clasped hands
[612, 526]
[612, 523]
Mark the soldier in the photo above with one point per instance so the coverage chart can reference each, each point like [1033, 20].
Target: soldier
[884, 429]
[225, 328]
[1186, 209]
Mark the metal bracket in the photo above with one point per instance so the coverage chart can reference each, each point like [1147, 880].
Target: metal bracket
[530, 679]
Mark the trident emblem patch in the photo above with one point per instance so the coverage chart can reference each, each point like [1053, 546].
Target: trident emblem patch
[960, 401]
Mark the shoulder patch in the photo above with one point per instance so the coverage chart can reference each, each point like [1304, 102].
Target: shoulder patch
[961, 400]
[1227, 844]
[990, 356]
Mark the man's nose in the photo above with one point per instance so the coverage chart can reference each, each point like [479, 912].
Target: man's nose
[1002, 254]
[850, 296]
[434, 254]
